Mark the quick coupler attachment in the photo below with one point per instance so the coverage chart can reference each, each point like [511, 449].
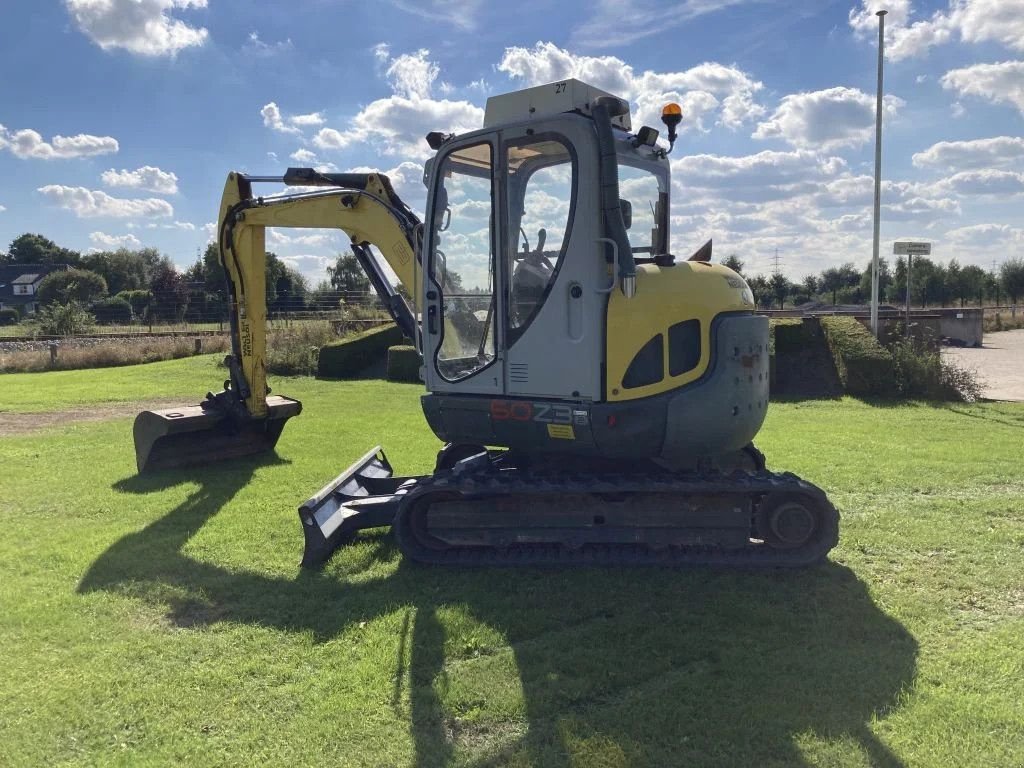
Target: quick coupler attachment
[366, 495]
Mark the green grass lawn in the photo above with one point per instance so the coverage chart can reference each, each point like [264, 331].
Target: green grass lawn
[164, 620]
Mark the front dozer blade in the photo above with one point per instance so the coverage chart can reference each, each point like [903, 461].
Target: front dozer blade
[366, 495]
[193, 435]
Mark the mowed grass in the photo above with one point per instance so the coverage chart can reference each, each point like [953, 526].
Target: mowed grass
[164, 620]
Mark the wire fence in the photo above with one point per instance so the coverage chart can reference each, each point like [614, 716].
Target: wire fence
[174, 313]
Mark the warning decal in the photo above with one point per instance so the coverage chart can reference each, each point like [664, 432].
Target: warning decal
[561, 431]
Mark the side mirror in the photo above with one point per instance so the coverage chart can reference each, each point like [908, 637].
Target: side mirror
[626, 208]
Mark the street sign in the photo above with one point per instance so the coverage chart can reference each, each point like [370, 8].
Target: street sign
[911, 249]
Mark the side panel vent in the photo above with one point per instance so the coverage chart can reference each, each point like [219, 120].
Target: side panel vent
[519, 373]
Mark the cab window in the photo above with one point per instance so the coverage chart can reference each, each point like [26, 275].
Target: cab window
[644, 202]
[541, 196]
[462, 261]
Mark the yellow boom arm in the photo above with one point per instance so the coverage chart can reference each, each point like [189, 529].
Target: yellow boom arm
[364, 206]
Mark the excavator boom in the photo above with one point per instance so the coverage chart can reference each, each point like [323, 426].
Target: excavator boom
[244, 419]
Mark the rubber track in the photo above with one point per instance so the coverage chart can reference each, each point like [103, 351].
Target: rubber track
[525, 485]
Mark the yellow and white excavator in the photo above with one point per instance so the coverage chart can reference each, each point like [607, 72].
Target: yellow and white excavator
[597, 398]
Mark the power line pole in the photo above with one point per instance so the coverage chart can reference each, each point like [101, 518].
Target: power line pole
[878, 174]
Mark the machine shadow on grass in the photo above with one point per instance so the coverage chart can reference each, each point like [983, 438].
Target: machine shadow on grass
[636, 667]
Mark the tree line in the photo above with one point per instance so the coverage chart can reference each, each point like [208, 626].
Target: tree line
[932, 283]
[126, 285]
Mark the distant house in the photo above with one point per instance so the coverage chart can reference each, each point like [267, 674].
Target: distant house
[19, 284]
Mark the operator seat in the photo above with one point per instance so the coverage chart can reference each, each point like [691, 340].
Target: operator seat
[529, 281]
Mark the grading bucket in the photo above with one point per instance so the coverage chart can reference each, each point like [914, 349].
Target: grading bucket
[193, 435]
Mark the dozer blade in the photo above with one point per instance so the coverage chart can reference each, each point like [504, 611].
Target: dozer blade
[193, 435]
[363, 496]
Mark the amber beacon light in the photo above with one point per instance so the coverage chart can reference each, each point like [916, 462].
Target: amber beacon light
[671, 116]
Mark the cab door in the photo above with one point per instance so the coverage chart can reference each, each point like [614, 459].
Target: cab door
[552, 261]
[462, 290]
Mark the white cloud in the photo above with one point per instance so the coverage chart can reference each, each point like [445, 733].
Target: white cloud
[762, 168]
[998, 151]
[618, 23]
[975, 21]
[985, 235]
[396, 125]
[412, 74]
[148, 178]
[103, 240]
[87, 203]
[318, 239]
[1001, 21]
[829, 119]
[701, 90]
[144, 27]
[303, 156]
[273, 119]
[986, 181]
[254, 46]
[183, 225]
[26, 143]
[1001, 83]
[2, 208]
[459, 13]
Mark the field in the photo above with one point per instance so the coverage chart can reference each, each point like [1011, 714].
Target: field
[164, 620]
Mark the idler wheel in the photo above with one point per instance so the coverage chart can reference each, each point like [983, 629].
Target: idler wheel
[786, 521]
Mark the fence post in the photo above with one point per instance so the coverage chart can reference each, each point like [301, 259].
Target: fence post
[53, 352]
[199, 345]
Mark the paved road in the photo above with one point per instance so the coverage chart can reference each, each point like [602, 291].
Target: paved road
[1000, 362]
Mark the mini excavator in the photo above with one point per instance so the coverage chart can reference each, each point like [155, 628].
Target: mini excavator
[596, 397]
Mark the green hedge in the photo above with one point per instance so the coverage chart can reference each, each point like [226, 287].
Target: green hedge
[113, 309]
[9, 317]
[864, 366]
[349, 357]
[801, 364]
[404, 364]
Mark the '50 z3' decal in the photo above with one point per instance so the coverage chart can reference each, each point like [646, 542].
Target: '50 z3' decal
[520, 410]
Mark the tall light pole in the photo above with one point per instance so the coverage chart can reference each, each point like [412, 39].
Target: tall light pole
[878, 173]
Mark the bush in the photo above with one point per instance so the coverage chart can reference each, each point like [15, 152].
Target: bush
[114, 310]
[1000, 321]
[294, 351]
[922, 373]
[63, 319]
[9, 317]
[109, 353]
[139, 301]
[865, 368]
[72, 285]
[404, 364]
[347, 358]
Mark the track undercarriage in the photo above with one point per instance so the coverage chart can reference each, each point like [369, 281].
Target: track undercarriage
[489, 510]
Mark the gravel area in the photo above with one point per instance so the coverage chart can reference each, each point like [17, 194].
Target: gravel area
[999, 363]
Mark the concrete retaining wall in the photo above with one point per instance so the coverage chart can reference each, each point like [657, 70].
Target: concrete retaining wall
[963, 327]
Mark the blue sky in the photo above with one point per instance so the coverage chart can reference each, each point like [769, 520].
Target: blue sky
[120, 118]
